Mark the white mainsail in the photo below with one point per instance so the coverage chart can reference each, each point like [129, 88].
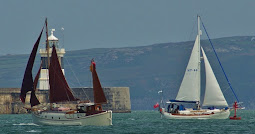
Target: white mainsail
[213, 94]
[190, 86]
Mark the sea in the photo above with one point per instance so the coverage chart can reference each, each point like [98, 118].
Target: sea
[136, 122]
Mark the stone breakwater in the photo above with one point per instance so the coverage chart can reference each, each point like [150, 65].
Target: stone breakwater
[118, 99]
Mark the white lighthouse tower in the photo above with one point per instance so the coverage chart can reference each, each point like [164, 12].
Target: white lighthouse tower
[44, 75]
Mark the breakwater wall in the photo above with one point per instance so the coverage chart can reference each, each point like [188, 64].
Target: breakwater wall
[118, 99]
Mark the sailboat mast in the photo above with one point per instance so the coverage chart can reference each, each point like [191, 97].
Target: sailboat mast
[198, 36]
[199, 56]
[48, 51]
[191, 82]
[47, 43]
[198, 27]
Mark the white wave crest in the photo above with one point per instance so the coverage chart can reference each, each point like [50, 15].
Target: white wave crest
[26, 124]
[33, 131]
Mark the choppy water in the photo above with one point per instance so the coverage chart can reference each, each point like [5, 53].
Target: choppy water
[135, 122]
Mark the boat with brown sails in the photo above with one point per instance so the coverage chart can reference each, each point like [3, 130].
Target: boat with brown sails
[85, 113]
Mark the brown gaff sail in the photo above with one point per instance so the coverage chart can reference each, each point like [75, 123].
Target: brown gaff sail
[59, 89]
[33, 99]
[37, 77]
[99, 96]
[28, 83]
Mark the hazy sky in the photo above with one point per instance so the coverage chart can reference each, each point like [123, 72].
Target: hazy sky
[120, 23]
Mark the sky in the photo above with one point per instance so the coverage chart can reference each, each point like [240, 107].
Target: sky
[120, 23]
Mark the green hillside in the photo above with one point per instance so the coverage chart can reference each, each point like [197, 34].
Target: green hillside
[148, 69]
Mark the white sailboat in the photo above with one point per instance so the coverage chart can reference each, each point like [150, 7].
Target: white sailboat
[85, 113]
[187, 102]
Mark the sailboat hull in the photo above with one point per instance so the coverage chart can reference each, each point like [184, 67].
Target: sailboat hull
[198, 114]
[63, 118]
[190, 90]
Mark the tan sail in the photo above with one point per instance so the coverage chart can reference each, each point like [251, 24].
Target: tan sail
[99, 96]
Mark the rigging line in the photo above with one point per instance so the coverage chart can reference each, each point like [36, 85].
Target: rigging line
[76, 78]
[225, 89]
[220, 62]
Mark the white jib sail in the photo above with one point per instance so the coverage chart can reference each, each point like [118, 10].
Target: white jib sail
[190, 86]
[213, 94]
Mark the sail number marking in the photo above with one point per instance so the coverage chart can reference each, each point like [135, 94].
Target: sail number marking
[189, 70]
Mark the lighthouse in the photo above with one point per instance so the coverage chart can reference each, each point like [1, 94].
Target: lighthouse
[44, 74]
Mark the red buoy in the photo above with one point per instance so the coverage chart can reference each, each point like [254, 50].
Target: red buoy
[235, 106]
